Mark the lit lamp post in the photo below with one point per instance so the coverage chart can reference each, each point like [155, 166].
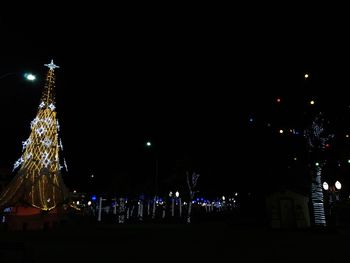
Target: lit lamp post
[332, 190]
[177, 194]
[149, 145]
[333, 195]
[27, 76]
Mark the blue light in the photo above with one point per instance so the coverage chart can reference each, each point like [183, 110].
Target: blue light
[93, 198]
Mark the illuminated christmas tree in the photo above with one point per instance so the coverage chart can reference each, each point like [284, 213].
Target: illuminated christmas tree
[38, 182]
[317, 139]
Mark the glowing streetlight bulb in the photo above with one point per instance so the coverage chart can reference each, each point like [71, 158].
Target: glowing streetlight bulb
[338, 185]
[281, 131]
[317, 164]
[89, 203]
[30, 76]
[148, 144]
[325, 186]
[177, 194]
[306, 76]
[312, 102]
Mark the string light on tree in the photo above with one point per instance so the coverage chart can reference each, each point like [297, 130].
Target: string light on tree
[39, 166]
[317, 137]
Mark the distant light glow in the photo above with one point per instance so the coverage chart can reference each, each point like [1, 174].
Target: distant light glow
[306, 76]
[281, 131]
[148, 144]
[278, 100]
[312, 102]
[177, 194]
[30, 76]
[325, 186]
[338, 185]
[347, 136]
[317, 164]
[89, 203]
[93, 198]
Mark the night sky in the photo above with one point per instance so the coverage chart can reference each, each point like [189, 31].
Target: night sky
[202, 84]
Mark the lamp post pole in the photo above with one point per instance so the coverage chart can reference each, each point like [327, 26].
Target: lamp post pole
[333, 196]
[149, 145]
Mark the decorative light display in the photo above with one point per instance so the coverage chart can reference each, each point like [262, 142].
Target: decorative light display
[191, 183]
[39, 164]
[317, 138]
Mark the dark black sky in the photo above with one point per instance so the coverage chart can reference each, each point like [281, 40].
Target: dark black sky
[187, 78]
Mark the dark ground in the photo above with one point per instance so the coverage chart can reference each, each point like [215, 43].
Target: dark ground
[217, 241]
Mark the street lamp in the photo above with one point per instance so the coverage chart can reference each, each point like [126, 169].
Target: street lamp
[27, 76]
[333, 190]
[338, 185]
[333, 196]
[149, 145]
[30, 76]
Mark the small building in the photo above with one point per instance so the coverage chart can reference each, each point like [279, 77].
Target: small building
[288, 209]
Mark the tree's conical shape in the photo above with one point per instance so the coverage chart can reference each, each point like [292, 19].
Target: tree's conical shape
[38, 181]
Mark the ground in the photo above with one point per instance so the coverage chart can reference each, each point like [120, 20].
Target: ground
[172, 242]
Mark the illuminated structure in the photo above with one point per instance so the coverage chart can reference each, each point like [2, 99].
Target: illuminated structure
[317, 139]
[38, 182]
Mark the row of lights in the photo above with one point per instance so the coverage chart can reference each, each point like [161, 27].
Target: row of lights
[337, 185]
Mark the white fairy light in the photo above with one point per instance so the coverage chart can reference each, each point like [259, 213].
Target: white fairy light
[52, 107]
[46, 162]
[40, 130]
[34, 122]
[61, 145]
[48, 120]
[18, 163]
[26, 143]
[47, 142]
[65, 164]
[42, 105]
